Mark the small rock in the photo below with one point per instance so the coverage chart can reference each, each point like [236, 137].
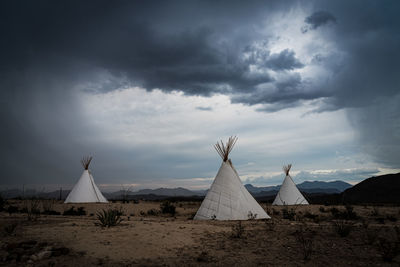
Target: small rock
[44, 255]
[42, 244]
[25, 257]
[11, 246]
[29, 243]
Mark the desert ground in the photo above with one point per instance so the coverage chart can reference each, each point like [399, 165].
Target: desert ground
[314, 235]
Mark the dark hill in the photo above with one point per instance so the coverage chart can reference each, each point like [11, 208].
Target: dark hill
[380, 189]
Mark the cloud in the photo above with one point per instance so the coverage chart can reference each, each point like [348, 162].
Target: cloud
[284, 60]
[204, 108]
[349, 175]
[253, 53]
[357, 174]
[318, 19]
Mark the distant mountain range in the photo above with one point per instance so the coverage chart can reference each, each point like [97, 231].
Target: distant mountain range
[309, 187]
[379, 189]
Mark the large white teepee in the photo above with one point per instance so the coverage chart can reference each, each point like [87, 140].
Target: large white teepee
[227, 198]
[85, 190]
[288, 193]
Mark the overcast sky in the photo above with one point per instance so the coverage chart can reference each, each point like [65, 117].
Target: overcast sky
[147, 88]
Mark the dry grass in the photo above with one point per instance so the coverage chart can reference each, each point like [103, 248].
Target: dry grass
[159, 239]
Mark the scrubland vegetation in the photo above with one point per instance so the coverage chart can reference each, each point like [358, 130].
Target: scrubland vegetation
[47, 232]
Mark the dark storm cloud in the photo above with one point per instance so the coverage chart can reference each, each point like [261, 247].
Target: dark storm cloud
[318, 19]
[50, 50]
[130, 40]
[285, 60]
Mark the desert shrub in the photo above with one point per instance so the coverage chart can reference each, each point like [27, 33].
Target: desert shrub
[251, 215]
[167, 208]
[275, 212]
[310, 215]
[375, 211]
[203, 257]
[142, 213]
[370, 235]
[31, 207]
[10, 228]
[52, 212]
[152, 212]
[305, 241]
[391, 217]
[2, 203]
[322, 209]
[47, 206]
[347, 214]
[289, 214]
[237, 230]
[12, 209]
[343, 228]
[380, 220]
[268, 210]
[191, 216]
[333, 211]
[109, 217]
[270, 224]
[388, 249]
[72, 212]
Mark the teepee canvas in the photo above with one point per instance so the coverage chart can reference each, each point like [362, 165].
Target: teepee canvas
[288, 193]
[85, 190]
[227, 198]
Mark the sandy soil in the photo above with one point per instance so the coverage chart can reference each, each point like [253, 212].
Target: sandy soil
[163, 240]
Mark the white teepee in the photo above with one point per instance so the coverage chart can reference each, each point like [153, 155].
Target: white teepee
[227, 198]
[85, 190]
[288, 193]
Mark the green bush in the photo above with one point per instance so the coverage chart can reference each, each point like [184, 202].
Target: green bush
[167, 208]
[110, 217]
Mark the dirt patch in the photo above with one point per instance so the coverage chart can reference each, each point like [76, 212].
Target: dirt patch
[295, 236]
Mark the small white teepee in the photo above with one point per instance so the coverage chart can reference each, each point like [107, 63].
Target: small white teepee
[227, 198]
[85, 190]
[289, 194]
